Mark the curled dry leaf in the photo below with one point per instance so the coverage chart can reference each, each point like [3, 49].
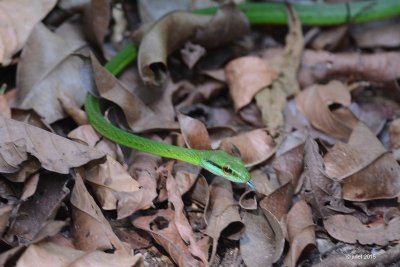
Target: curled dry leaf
[257, 245]
[174, 29]
[55, 153]
[39, 209]
[221, 213]
[194, 133]
[163, 229]
[46, 67]
[72, 108]
[191, 53]
[181, 222]
[272, 100]
[349, 229]
[96, 19]
[92, 231]
[301, 231]
[51, 254]
[5, 110]
[246, 76]
[15, 31]
[186, 176]
[329, 39]
[255, 146]
[138, 115]
[366, 172]
[394, 134]
[377, 67]
[109, 180]
[323, 193]
[314, 103]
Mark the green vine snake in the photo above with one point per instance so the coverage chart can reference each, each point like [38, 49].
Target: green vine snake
[216, 161]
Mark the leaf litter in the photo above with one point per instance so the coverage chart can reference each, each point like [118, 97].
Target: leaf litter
[318, 131]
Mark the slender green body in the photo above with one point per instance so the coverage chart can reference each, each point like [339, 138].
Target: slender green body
[217, 161]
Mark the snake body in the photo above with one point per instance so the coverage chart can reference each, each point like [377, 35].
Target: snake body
[216, 161]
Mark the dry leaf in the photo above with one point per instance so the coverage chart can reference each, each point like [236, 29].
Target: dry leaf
[163, 229]
[50, 254]
[46, 67]
[191, 53]
[301, 231]
[272, 100]
[109, 180]
[246, 76]
[138, 115]
[329, 39]
[186, 176]
[394, 134]
[221, 213]
[72, 108]
[366, 172]
[96, 19]
[174, 29]
[55, 153]
[39, 209]
[181, 222]
[349, 229]
[257, 244]
[194, 133]
[255, 146]
[15, 31]
[92, 231]
[5, 110]
[323, 193]
[315, 101]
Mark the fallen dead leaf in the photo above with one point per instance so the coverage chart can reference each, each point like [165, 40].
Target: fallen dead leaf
[72, 108]
[301, 231]
[163, 229]
[323, 193]
[91, 229]
[45, 66]
[181, 222]
[255, 146]
[5, 110]
[394, 134]
[246, 76]
[108, 180]
[257, 243]
[315, 101]
[186, 176]
[174, 29]
[55, 153]
[191, 53]
[50, 254]
[221, 213]
[96, 19]
[14, 31]
[272, 100]
[194, 133]
[365, 172]
[349, 229]
[329, 39]
[138, 115]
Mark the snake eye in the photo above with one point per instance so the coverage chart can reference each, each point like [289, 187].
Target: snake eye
[227, 170]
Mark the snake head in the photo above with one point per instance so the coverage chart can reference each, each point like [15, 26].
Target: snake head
[222, 164]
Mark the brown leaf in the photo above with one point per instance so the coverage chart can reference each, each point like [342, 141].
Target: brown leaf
[255, 146]
[39, 209]
[272, 100]
[200, 193]
[221, 213]
[5, 110]
[15, 31]
[246, 76]
[92, 231]
[50, 254]
[181, 222]
[96, 19]
[323, 193]
[45, 66]
[301, 231]
[314, 103]
[138, 115]
[349, 229]
[194, 132]
[366, 172]
[174, 29]
[291, 162]
[394, 134]
[109, 179]
[329, 39]
[56, 153]
[186, 176]
[163, 229]
[72, 108]
[257, 244]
